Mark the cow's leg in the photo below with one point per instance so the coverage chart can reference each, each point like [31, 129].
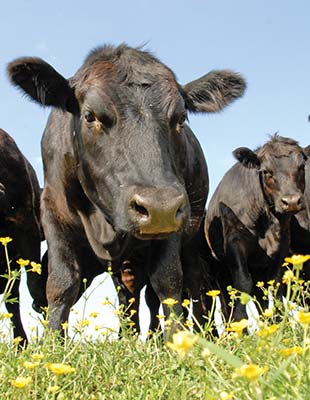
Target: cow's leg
[64, 274]
[238, 243]
[36, 283]
[153, 304]
[129, 282]
[166, 275]
[14, 308]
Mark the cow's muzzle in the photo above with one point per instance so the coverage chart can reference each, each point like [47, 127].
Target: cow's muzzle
[157, 213]
[292, 203]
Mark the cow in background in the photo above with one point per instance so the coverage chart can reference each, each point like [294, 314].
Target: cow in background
[248, 218]
[19, 220]
[125, 177]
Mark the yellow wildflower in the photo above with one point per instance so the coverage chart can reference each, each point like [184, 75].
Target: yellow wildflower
[303, 317]
[65, 325]
[133, 312]
[38, 356]
[131, 324]
[22, 262]
[59, 369]
[53, 389]
[169, 301]
[189, 323]
[268, 312]
[291, 350]
[186, 303]
[297, 259]
[160, 316]
[260, 284]
[93, 314]
[181, 342]
[21, 381]
[84, 322]
[271, 282]
[6, 315]
[238, 327]
[213, 293]
[132, 300]
[106, 303]
[288, 276]
[36, 267]
[5, 240]
[17, 340]
[267, 330]
[30, 365]
[250, 371]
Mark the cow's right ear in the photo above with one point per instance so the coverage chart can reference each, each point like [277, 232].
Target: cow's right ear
[247, 157]
[42, 83]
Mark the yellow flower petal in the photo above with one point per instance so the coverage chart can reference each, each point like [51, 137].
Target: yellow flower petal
[303, 317]
[267, 330]
[250, 371]
[21, 381]
[59, 369]
[291, 350]
[169, 301]
[213, 293]
[297, 259]
[22, 262]
[5, 240]
[181, 342]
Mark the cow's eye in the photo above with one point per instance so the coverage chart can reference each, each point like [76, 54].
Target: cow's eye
[267, 174]
[89, 116]
[182, 120]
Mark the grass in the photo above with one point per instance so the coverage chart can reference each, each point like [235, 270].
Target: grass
[269, 363]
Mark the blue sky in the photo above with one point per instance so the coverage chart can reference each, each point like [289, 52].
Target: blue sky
[267, 41]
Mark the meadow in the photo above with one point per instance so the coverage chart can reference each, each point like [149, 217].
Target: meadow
[268, 361]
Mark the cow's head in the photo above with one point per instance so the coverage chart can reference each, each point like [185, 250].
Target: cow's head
[281, 165]
[129, 117]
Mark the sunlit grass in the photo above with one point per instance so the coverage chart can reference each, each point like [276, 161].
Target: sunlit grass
[268, 362]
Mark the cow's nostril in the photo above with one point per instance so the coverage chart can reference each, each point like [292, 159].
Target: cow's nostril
[139, 209]
[284, 203]
[180, 213]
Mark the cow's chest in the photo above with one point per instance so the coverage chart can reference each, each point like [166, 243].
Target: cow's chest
[274, 238]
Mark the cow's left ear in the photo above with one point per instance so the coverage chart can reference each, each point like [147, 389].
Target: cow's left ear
[214, 91]
[306, 151]
[247, 157]
[42, 83]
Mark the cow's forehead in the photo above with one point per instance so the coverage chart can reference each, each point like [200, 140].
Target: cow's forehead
[139, 83]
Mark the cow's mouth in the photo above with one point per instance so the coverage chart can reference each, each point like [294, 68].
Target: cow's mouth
[152, 236]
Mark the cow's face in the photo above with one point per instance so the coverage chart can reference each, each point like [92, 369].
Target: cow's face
[128, 137]
[281, 167]
[128, 125]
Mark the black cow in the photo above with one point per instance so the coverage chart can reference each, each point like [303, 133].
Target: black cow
[125, 177]
[300, 226]
[249, 215]
[19, 220]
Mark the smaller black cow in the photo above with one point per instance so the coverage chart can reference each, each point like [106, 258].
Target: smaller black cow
[300, 225]
[248, 219]
[19, 220]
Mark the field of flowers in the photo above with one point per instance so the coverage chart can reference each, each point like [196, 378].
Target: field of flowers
[267, 362]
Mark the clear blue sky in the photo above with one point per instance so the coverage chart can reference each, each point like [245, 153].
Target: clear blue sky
[267, 41]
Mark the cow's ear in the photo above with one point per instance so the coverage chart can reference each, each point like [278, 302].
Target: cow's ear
[247, 157]
[42, 83]
[306, 151]
[214, 91]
